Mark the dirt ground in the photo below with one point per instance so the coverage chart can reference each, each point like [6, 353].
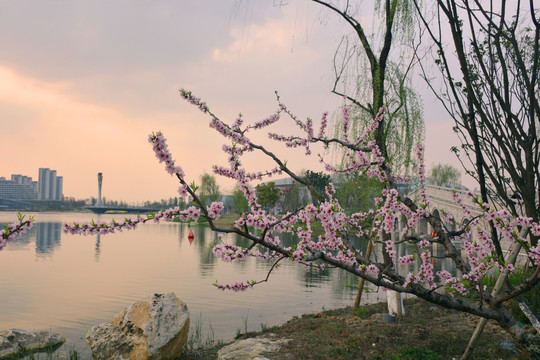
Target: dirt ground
[425, 332]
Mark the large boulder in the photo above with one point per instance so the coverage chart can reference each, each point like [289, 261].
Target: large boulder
[18, 342]
[154, 328]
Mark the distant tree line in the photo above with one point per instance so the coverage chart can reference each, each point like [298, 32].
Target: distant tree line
[356, 192]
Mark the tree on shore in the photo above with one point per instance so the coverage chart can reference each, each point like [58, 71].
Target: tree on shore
[240, 203]
[209, 189]
[319, 181]
[442, 174]
[268, 195]
[356, 192]
[165, 203]
[292, 198]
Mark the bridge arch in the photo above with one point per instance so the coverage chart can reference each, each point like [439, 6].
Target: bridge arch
[435, 213]
[422, 226]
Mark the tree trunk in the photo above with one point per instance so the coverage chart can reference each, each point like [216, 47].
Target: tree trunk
[526, 340]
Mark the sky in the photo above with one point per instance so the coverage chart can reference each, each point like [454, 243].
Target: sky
[83, 84]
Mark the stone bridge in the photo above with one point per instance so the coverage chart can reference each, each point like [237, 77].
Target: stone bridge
[441, 200]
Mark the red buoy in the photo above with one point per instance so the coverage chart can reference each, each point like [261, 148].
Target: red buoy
[190, 236]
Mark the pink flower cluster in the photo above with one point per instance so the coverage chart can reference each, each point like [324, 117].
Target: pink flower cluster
[345, 122]
[422, 174]
[425, 274]
[372, 269]
[372, 127]
[215, 209]
[324, 124]
[187, 95]
[183, 190]
[225, 130]
[14, 229]
[236, 286]
[290, 141]
[102, 227]
[534, 254]
[390, 207]
[377, 155]
[407, 259]
[459, 201]
[266, 122]
[307, 127]
[161, 150]
[453, 283]
[230, 253]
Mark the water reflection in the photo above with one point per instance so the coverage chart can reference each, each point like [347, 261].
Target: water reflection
[203, 242]
[91, 278]
[314, 278]
[97, 251]
[47, 237]
[182, 235]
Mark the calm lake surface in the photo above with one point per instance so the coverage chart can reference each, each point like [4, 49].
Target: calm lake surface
[69, 283]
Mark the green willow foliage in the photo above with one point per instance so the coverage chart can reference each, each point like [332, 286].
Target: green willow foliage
[442, 174]
[404, 123]
[209, 189]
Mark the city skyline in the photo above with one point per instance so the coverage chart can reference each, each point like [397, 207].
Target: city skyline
[49, 186]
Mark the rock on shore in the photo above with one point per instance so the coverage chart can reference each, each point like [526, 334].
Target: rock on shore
[253, 348]
[154, 328]
[15, 342]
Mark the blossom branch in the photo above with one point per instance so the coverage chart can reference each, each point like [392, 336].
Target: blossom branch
[14, 229]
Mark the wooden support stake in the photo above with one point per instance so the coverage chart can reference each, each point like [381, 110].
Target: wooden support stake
[496, 289]
[361, 284]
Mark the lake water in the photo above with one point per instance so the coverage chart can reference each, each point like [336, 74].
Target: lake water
[69, 283]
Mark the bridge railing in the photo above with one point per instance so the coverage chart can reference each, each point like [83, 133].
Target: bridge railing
[444, 196]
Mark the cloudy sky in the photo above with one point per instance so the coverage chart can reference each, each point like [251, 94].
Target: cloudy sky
[83, 83]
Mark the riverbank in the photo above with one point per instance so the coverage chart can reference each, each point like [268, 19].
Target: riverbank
[425, 332]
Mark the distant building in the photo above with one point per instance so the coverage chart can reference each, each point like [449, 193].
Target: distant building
[50, 186]
[20, 187]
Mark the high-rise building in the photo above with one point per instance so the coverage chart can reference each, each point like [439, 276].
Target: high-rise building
[59, 188]
[21, 179]
[44, 183]
[50, 185]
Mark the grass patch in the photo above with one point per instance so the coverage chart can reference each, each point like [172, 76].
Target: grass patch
[423, 333]
[531, 297]
[197, 344]
[413, 354]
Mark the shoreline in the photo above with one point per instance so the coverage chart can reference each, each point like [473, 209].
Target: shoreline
[424, 332]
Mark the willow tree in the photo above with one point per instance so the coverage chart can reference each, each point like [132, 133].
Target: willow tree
[209, 189]
[442, 174]
[370, 75]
